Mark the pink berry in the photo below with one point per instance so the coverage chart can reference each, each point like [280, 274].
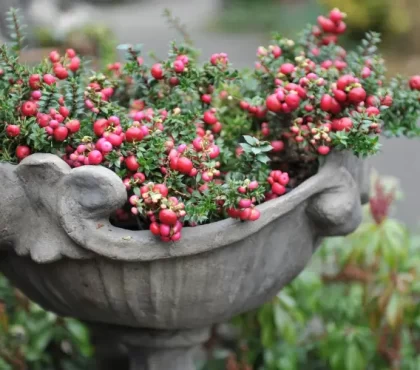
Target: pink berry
[323, 150]
[95, 157]
[179, 66]
[287, 68]
[245, 203]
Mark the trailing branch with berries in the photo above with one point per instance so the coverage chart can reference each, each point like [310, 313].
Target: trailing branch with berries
[196, 143]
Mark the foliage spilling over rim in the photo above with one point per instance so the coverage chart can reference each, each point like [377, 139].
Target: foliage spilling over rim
[196, 143]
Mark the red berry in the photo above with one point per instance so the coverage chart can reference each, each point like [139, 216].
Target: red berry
[61, 73]
[293, 101]
[29, 109]
[242, 189]
[387, 101]
[168, 217]
[287, 68]
[206, 98]
[133, 134]
[284, 179]
[252, 110]
[323, 150]
[326, 24]
[373, 111]
[245, 214]
[335, 107]
[277, 145]
[340, 95]
[357, 95]
[343, 124]
[253, 185]
[340, 65]
[54, 56]
[366, 72]
[217, 127]
[278, 189]
[154, 228]
[139, 177]
[114, 139]
[74, 64]
[61, 133]
[13, 130]
[234, 213]
[179, 66]
[176, 237]
[372, 101]
[336, 16]
[344, 81]
[64, 111]
[415, 82]
[54, 124]
[214, 151]
[244, 105]
[209, 117]
[326, 102]
[99, 126]
[43, 119]
[161, 188]
[95, 157]
[165, 231]
[35, 82]
[273, 103]
[184, 165]
[70, 53]
[157, 71]
[114, 120]
[174, 81]
[22, 151]
[341, 28]
[49, 79]
[255, 214]
[245, 203]
[261, 112]
[326, 64]
[36, 95]
[131, 163]
[197, 144]
[106, 147]
[276, 51]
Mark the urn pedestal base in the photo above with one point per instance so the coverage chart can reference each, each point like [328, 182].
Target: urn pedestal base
[147, 349]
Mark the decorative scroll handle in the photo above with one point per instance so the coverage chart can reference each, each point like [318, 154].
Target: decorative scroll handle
[337, 209]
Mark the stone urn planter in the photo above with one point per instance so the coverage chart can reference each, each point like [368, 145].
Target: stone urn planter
[158, 300]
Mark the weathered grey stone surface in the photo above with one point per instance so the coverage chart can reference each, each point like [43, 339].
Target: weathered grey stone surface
[59, 247]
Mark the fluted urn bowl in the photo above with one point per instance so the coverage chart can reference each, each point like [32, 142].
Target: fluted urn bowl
[58, 246]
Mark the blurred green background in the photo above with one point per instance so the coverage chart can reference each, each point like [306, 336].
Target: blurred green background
[396, 20]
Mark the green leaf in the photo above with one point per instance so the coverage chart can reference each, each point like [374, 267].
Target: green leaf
[262, 158]
[393, 310]
[250, 140]
[42, 339]
[4, 365]
[246, 147]
[265, 148]
[354, 358]
[124, 47]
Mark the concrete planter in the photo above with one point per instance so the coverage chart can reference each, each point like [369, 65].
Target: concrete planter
[159, 299]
